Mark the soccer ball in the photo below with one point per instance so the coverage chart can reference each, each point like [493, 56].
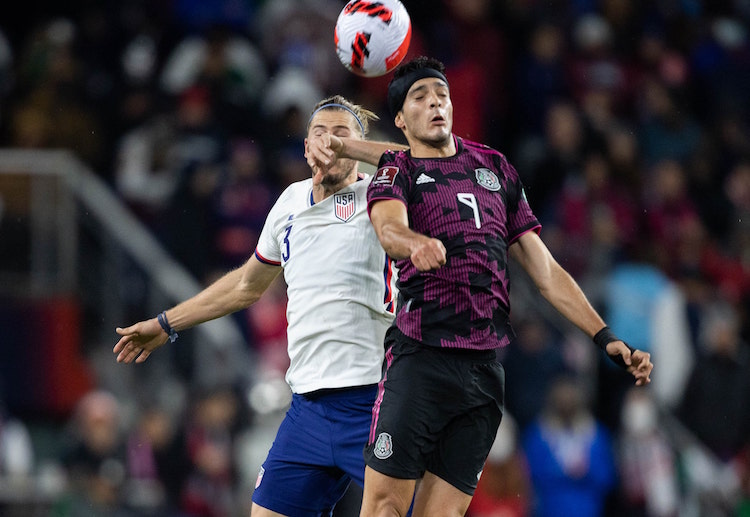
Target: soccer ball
[372, 37]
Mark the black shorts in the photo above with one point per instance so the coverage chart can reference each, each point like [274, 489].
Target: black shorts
[437, 410]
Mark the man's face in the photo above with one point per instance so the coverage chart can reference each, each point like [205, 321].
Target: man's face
[337, 122]
[427, 113]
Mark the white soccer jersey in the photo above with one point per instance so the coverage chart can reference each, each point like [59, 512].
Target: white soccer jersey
[340, 285]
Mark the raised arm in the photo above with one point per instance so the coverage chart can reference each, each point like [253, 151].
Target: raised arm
[391, 222]
[323, 151]
[236, 290]
[565, 295]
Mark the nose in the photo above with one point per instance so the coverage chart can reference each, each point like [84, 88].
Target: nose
[434, 99]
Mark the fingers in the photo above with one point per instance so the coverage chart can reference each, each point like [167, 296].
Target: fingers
[430, 255]
[642, 367]
[319, 151]
[318, 174]
[136, 344]
[126, 353]
[132, 352]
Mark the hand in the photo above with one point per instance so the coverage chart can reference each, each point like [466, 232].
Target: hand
[428, 254]
[321, 153]
[638, 363]
[139, 340]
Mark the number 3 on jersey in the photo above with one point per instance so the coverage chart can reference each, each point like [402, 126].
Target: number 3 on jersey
[285, 253]
[471, 201]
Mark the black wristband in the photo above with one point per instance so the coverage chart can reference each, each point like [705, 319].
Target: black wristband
[162, 319]
[604, 337]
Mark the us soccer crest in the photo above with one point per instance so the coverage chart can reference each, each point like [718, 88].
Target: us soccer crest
[344, 205]
[487, 179]
[383, 446]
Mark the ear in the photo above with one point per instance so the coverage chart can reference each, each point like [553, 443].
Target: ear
[399, 120]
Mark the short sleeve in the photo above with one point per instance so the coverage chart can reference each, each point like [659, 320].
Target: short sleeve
[267, 249]
[390, 181]
[521, 218]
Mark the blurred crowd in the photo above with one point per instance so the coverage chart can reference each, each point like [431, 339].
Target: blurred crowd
[628, 121]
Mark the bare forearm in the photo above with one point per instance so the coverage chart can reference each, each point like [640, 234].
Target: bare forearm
[224, 296]
[367, 151]
[398, 240]
[566, 296]
[555, 284]
[391, 223]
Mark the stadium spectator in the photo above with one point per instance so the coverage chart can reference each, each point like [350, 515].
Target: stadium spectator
[534, 360]
[157, 462]
[211, 478]
[647, 462]
[570, 455]
[94, 459]
[225, 62]
[716, 402]
[541, 75]
[504, 490]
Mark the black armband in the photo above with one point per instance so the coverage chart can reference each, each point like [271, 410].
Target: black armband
[604, 337]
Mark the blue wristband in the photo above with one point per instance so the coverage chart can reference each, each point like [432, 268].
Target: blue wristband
[162, 319]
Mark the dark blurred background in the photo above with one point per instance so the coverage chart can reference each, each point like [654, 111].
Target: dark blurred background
[143, 142]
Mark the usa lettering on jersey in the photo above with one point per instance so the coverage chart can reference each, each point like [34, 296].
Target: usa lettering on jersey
[344, 205]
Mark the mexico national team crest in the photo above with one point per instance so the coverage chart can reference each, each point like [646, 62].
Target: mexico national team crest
[344, 205]
[383, 446]
[487, 179]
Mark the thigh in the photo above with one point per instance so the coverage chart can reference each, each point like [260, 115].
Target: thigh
[405, 419]
[436, 496]
[465, 442]
[350, 415]
[299, 476]
[384, 495]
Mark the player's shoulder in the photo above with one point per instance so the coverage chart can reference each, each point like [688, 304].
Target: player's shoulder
[393, 156]
[492, 156]
[294, 196]
[297, 189]
[479, 147]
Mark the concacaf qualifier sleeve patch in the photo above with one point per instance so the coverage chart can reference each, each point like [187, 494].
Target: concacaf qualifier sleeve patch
[385, 176]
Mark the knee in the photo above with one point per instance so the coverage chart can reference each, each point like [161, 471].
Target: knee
[383, 503]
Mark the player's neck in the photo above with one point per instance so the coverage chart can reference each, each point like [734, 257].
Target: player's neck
[422, 149]
[320, 191]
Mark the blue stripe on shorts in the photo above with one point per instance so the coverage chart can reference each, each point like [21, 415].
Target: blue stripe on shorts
[317, 452]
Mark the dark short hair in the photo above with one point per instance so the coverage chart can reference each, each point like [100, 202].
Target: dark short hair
[407, 74]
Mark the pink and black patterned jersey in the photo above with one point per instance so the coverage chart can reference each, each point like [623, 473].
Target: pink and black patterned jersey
[475, 204]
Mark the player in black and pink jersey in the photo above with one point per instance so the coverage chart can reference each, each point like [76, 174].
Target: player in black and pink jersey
[451, 212]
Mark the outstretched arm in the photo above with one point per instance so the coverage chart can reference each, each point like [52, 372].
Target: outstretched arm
[237, 289]
[323, 151]
[562, 291]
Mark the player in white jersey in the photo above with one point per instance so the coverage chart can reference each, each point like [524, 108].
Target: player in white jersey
[341, 300]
